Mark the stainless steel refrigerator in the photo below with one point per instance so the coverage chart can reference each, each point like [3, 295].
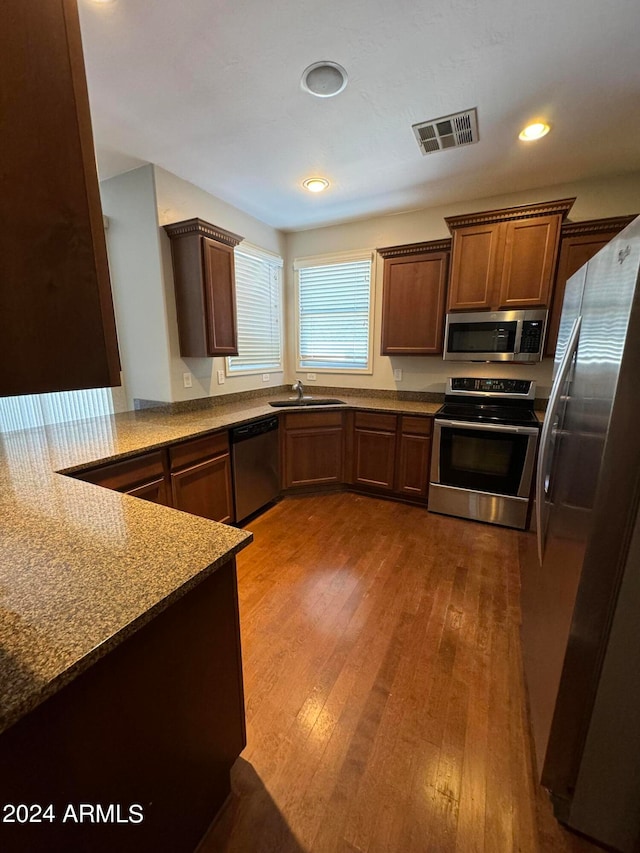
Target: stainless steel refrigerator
[581, 569]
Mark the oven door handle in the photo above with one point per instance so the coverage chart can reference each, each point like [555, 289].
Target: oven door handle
[504, 428]
[545, 437]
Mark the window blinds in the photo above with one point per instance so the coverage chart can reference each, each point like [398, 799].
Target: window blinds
[334, 307]
[259, 311]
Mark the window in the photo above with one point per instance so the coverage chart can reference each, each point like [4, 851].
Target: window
[334, 313]
[259, 312]
[34, 410]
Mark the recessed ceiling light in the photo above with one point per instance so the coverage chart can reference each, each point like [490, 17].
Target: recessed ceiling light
[315, 185]
[534, 131]
[324, 79]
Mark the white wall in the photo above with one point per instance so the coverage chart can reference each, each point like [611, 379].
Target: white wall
[177, 200]
[594, 199]
[128, 201]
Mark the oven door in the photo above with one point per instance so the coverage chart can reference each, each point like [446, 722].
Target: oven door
[482, 471]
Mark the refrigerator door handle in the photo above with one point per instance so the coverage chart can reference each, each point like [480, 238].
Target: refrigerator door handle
[545, 437]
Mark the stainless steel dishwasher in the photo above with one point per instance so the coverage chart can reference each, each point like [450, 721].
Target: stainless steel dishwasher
[256, 470]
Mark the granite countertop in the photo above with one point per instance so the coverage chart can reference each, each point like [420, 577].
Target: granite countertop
[83, 567]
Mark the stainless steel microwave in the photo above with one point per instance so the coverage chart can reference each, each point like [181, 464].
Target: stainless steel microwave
[496, 336]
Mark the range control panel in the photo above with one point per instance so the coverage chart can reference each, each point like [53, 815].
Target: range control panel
[468, 385]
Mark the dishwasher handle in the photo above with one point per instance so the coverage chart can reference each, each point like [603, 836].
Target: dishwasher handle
[242, 433]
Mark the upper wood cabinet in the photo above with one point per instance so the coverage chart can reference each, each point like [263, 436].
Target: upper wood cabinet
[580, 241]
[505, 258]
[204, 278]
[414, 290]
[57, 327]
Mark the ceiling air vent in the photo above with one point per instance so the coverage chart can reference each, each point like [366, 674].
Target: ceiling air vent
[447, 132]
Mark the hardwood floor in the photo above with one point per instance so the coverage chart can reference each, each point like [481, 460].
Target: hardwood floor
[383, 685]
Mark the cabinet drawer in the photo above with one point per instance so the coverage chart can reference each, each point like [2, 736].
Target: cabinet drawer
[415, 425]
[192, 451]
[126, 475]
[376, 421]
[302, 420]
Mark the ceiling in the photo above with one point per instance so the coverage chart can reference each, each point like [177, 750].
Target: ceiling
[210, 90]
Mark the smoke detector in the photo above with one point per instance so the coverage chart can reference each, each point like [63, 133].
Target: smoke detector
[447, 132]
[324, 79]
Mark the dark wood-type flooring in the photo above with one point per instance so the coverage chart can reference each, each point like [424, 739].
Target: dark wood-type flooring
[384, 693]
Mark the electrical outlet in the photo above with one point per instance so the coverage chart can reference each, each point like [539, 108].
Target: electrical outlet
[397, 374]
[266, 377]
[220, 377]
[186, 378]
[311, 376]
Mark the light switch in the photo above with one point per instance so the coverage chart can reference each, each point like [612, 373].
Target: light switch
[220, 377]
[311, 376]
[266, 377]
[186, 378]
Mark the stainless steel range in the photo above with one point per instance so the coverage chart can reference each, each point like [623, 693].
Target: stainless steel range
[484, 447]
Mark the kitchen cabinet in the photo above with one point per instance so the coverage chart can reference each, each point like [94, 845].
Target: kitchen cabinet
[57, 327]
[414, 456]
[413, 302]
[374, 450]
[580, 241]
[143, 476]
[312, 449]
[505, 259]
[201, 477]
[204, 281]
[391, 453]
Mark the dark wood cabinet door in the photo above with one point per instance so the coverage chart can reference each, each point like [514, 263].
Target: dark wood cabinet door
[57, 327]
[220, 288]
[143, 476]
[205, 489]
[313, 456]
[374, 460]
[580, 242]
[155, 491]
[475, 260]
[204, 283]
[414, 292]
[528, 264]
[414, 457]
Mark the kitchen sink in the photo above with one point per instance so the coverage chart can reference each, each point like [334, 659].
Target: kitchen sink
[308, 401]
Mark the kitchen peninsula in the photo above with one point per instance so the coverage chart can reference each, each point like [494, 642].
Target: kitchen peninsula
[121, 673]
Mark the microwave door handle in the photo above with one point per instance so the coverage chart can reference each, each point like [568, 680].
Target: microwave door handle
[545, 437]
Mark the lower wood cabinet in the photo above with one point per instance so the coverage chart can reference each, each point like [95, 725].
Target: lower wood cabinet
[142, 476]
[374, 450]
[414, 456]
[392, 453]
[312, 449]
[201, 477]
[194, 476]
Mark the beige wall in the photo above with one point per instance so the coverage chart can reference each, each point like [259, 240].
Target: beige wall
[594, 199]
[128, 201]
[177, 200]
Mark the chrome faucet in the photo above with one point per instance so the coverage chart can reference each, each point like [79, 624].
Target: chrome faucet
[298, 387]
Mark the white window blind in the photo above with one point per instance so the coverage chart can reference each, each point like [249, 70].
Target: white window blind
[36, 410]
[259, 312]
[334, 308]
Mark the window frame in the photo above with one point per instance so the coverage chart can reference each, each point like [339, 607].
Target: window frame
[328, 260]
[276, 261]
